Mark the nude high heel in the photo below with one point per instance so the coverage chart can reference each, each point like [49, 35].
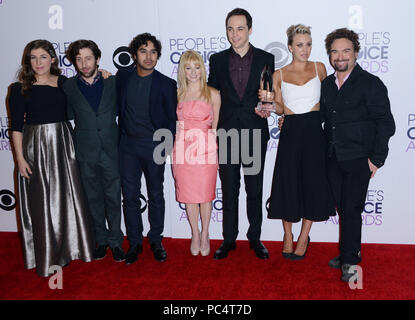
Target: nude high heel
[205, 251]
[194, 250]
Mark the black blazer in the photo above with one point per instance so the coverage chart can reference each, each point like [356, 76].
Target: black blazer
[163, 99]
[358, 119]
[236, 113]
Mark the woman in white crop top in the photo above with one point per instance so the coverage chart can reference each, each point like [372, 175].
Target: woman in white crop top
[300, 189]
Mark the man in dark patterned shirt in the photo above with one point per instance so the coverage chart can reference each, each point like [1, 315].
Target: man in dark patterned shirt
[236, 73]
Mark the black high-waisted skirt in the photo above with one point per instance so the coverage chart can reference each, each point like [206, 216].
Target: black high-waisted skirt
[300, 188]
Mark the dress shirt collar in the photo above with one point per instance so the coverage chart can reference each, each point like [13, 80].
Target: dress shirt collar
[247, 56]
[345, 78]
[96, 79]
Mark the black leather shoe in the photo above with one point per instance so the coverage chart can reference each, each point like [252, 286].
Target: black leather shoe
[118, 254]
[335, 263]
[100, 252]
[132, 254]
[159, 252]
[224, 249]
[260, 250]
[348, 271]
[296, 257]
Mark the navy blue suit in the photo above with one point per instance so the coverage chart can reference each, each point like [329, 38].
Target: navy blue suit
[136, 156]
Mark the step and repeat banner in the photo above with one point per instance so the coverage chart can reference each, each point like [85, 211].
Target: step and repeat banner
[386, 51]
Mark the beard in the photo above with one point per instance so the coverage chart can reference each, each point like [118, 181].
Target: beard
[89, 74]
[340, 68]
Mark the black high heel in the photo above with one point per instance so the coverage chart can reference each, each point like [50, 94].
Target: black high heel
[287, 255]
[296, 257]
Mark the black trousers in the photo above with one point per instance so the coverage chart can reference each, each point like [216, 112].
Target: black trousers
[230, 175]
[349, 181]
[136, 159]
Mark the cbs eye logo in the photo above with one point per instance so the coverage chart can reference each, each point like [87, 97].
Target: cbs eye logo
[7, 200]
[122, 58]
[280, 52]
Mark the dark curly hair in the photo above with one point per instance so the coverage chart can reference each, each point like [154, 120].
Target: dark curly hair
[239, 12]
[342, 33]
[26, 73]
[74, 47]
[141, 39]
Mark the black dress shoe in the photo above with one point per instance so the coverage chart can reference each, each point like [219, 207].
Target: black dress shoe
[100, 252]
[336, 262]
[348, 271]
[118, 254]
[224, 249]
[132, 254]
[260, 250]
[296, 257]
[159, 252]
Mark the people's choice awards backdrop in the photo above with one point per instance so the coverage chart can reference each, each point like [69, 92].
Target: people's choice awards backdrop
[385, 33]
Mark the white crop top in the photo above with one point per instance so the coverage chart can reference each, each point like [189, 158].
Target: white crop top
[301, 99]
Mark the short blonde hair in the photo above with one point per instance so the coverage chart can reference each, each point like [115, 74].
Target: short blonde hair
[186, 58]
[297, 29]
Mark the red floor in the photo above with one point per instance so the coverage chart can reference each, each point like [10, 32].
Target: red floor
[388, 273]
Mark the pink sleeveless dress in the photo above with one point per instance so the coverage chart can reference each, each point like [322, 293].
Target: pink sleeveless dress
[194, 156]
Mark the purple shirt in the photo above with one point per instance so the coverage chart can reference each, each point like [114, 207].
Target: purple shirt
[239, 70]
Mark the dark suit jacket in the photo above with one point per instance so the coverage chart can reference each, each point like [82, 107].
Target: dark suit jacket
[358, 119]
[235, 113]
[163, 99]
[94, 131]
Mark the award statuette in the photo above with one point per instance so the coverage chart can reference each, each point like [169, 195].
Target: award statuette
[266, 84]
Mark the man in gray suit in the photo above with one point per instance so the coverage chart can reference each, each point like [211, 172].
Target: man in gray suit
[92, 103]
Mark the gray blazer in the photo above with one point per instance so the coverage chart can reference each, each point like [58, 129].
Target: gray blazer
[95, 132]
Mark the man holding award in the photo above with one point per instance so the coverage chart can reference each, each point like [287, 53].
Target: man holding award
[236, 73]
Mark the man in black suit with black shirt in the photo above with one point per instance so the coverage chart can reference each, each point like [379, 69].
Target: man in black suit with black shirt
[358, 125]
[236, 73]
[147, 101]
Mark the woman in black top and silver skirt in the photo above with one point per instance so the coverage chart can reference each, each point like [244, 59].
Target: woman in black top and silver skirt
[55, 225]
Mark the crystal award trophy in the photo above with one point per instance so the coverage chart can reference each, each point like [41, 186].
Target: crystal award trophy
[266, 84]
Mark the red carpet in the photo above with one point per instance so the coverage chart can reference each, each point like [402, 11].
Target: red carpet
[388, 273]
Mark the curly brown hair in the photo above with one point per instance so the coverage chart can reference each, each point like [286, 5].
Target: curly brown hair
[26, 74]
[76, 46]
[142, 39]
[342, 33]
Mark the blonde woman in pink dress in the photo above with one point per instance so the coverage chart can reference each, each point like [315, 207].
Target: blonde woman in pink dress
[195, 160]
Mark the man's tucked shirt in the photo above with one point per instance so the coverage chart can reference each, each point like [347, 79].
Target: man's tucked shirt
[137, 121]
[92, 92]
[239, 70]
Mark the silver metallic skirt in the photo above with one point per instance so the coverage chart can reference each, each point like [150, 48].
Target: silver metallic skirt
[55, 224]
